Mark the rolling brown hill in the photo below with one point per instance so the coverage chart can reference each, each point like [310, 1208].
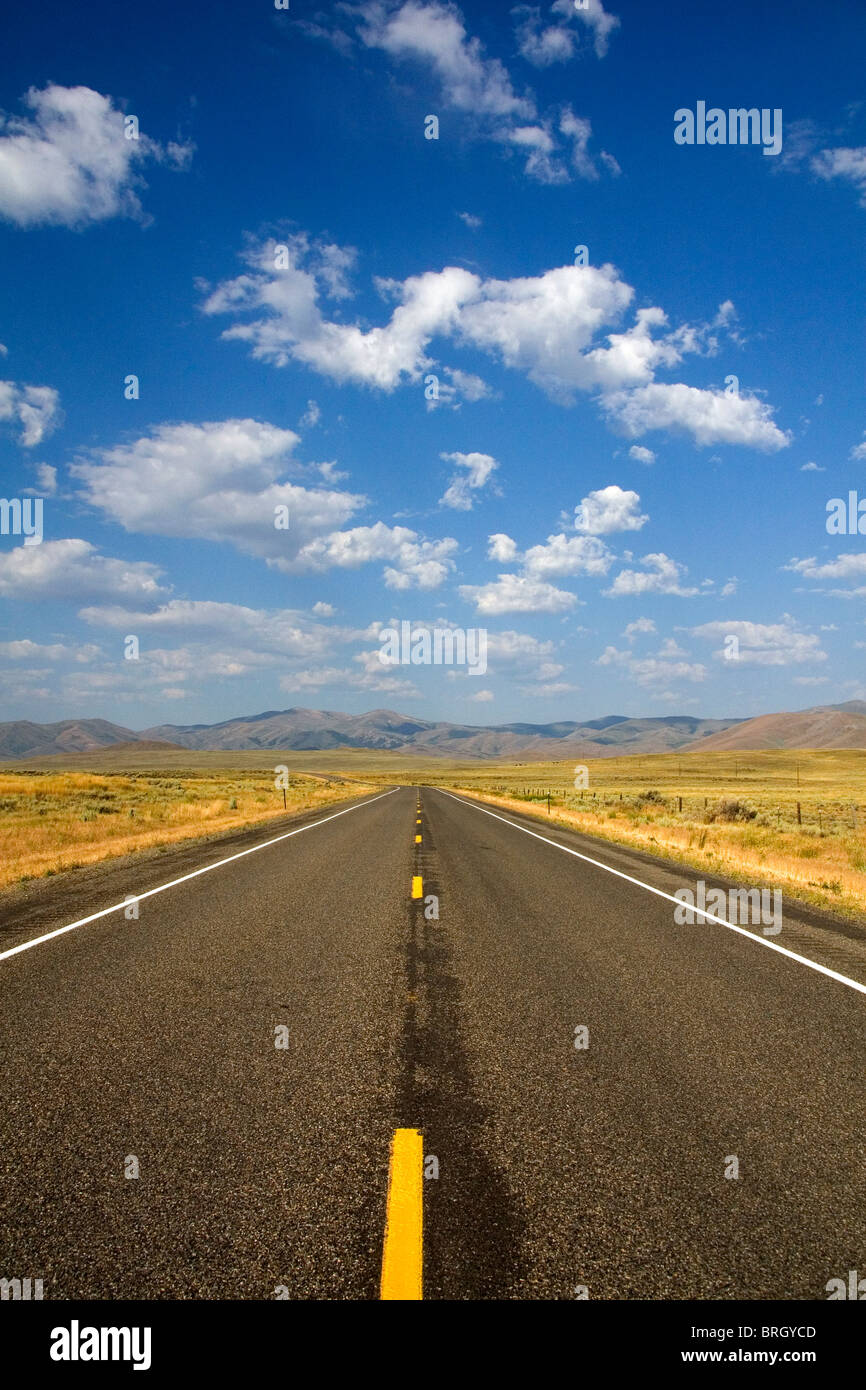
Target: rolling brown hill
[23, 739]
[826, 726]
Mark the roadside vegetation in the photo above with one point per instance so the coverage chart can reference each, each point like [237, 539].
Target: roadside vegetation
[50, 822]
[792, 820]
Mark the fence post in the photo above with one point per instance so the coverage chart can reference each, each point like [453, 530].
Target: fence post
[799, 816]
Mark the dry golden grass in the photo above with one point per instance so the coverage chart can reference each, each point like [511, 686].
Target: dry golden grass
[56, 821]
[819, 857]
[52, 820]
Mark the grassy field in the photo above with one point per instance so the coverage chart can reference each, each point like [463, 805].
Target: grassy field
[793, 820]
[54, 821]
[343, 762]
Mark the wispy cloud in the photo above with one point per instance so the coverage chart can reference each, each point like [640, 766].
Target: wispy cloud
[432, 35]
[34, 410]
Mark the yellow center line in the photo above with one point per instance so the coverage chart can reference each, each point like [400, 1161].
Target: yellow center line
[417, 839]
[403, 1250]
[417, 887]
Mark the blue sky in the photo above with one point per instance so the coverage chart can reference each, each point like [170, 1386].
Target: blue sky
[629, 460]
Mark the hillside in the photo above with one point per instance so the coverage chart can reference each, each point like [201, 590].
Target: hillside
[22, 739]
[839, 726]
[383, 730]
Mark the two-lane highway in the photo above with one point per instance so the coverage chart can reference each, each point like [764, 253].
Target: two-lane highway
[252, 1044]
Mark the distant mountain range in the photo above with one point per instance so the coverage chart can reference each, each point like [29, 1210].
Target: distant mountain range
[825, 726]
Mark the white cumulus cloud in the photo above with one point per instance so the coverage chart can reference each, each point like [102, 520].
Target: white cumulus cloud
[562, 555]
[501, 548]
[74, 569]
[607, 510]
[217, 481]
[709, 416]
[661, 575]
[764, 644]
[546, 326]
[516, 593]
[70, 163]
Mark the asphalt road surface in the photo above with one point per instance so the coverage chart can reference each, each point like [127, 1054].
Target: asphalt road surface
[252, 1041]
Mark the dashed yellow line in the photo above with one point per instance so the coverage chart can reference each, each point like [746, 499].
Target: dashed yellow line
[417, 839]
[417, 886]
[403, 1249]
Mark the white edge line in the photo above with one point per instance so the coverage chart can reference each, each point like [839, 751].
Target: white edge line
[139, 897]
[761, 940]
